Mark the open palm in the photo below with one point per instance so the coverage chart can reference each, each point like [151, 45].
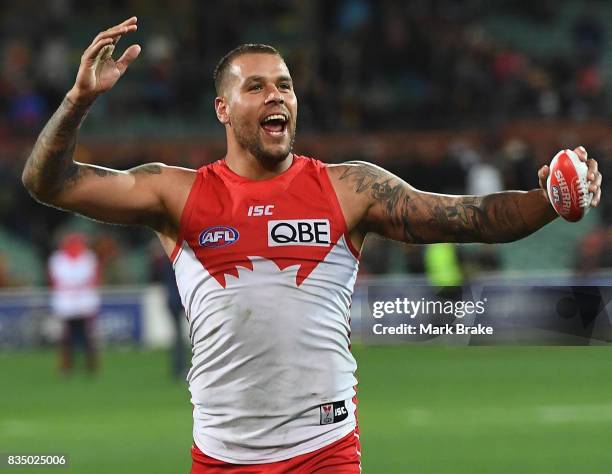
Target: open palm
[98, 71]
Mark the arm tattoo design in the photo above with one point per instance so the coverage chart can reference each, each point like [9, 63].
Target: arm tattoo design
[78, 171]
[426, 218]
[387, 192]
[489, 219]
[50, 165]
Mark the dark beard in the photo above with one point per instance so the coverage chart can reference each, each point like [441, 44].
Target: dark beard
[253, 144]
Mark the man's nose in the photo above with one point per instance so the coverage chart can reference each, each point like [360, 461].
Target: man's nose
[275, 96]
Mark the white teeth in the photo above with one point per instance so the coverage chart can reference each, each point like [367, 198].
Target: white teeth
[275, 117]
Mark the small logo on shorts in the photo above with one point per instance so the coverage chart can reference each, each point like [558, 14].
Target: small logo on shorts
[333, 412]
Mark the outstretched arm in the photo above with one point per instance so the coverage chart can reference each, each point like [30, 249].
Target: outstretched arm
[396, 210]
[51, 175]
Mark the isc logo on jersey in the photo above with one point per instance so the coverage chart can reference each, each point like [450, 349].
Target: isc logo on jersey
[307, 232]
[258, 211]
[218, 236]
[332, 413]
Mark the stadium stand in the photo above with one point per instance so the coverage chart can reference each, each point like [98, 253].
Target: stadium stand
[458, 73]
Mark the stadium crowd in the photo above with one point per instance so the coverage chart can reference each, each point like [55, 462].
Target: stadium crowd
[359, 66]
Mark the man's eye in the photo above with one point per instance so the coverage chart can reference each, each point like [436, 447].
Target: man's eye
[286, 86]
[255, 87]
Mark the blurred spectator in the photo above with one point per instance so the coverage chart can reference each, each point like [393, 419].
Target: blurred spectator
[483, 178]
[442, 265]
[54, 69]
[160, 88]
[73, 273]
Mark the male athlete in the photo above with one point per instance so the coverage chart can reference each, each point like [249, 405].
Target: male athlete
[265, 247]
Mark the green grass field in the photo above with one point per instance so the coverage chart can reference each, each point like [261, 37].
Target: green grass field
[422, 410]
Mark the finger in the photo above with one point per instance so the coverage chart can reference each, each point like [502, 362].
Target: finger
[593, 186]
[596, 199]
[124, 27]
[92, 52]
[593, 167]
[596, 184]
[127, 57]
[114, 32]
[130, 23]
[542, 175]
[581, 152]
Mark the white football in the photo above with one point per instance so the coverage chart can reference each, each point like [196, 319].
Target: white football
[567, 187]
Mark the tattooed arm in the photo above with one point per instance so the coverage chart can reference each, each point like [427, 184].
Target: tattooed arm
[122, 197]
[396, 210]
[51, 175]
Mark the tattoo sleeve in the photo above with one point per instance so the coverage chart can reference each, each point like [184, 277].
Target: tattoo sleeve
[50, 166]
[398, 211]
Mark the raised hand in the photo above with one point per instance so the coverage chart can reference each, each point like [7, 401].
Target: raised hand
[98, 71]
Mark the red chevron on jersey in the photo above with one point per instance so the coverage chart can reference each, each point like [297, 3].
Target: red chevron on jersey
[293, 219]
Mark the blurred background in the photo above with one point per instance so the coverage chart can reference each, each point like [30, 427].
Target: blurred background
[454, 96]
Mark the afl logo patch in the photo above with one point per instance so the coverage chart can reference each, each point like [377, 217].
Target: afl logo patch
[219, 236]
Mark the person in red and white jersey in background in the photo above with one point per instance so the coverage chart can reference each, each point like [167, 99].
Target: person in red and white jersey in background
[73, 274]
[265, 246]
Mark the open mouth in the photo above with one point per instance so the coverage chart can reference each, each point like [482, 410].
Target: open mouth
[275, 124]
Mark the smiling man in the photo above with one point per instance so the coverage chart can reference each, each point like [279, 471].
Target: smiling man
[265, 130]
[265, 246]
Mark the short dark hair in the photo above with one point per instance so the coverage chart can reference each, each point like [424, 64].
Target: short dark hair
[226, 61]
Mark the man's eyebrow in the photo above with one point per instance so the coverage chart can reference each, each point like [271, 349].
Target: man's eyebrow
[253, 78]
[261, 78]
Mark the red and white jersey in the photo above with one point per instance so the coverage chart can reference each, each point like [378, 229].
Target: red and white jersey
[266, 272]
[74, 279]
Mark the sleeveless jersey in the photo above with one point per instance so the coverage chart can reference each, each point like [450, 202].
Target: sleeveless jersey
[266, 271]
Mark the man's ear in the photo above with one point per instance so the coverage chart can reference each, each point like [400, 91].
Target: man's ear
[221, 108]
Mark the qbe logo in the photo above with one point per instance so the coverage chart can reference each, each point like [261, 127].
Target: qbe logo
[218, 236]
[309, 232]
